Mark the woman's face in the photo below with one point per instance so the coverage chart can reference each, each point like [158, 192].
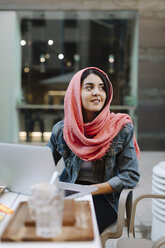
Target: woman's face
[93, 96]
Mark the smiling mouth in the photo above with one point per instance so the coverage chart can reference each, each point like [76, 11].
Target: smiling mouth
[96, 101]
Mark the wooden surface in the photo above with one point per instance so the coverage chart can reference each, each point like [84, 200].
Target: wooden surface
[77, 224]
[68, 215]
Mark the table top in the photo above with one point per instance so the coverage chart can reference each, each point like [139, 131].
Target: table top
[13, 199]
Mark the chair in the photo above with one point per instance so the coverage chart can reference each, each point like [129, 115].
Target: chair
[30, 120]
[123, 220]
[142, 243]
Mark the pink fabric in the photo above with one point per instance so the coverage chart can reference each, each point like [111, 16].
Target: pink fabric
[90, 141]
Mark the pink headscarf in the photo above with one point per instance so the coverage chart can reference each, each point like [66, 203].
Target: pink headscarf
[90, 141]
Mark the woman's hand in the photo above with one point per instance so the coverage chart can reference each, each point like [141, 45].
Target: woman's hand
[102, 188]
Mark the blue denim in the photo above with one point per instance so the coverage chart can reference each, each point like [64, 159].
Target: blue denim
[121, 165]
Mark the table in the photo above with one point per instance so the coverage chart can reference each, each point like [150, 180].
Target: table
[13, 199]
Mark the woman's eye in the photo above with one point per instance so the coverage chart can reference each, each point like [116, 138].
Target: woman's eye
[102, 88]
[89, 87]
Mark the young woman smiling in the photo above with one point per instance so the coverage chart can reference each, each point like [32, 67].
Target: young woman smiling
[98, 147]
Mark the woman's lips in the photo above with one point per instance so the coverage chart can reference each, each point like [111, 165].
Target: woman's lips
[96, 101]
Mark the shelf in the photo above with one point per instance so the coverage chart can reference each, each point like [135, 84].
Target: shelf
[57, 106]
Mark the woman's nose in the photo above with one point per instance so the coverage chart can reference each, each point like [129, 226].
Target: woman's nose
[95, 91]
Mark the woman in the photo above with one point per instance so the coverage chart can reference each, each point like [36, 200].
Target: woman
[98, 147]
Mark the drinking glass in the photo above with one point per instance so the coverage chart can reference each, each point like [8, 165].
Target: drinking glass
[48, 201]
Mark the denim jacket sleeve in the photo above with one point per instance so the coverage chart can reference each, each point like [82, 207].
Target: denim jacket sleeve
[126, 174]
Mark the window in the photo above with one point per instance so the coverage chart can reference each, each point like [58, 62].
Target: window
[56, 44]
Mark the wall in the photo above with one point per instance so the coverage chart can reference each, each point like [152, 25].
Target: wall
[151, 109]
[10, 76]
[151, 76]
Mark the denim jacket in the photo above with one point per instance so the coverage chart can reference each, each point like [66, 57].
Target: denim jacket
[121, 166]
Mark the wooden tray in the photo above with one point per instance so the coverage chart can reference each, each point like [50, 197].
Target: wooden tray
[77, 224]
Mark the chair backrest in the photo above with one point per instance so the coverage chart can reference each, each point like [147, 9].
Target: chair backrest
[134, 205]
[131, 241]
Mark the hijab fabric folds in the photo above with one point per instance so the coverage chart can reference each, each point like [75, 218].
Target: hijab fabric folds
[90, 141]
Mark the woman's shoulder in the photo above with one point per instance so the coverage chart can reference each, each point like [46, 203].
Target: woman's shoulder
[58, 128]
[59, 124]
[127, 130]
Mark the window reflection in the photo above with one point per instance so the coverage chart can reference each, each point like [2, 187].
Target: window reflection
[56, 44]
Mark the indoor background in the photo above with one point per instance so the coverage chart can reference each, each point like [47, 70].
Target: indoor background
[43, 44]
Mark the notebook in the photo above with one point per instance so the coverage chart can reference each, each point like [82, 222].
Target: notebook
[24, 165]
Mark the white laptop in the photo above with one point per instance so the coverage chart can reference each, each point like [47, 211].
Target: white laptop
[24, 165]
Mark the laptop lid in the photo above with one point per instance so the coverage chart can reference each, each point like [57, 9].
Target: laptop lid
[23, 165]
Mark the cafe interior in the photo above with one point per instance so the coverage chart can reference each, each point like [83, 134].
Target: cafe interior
[47, 47]
[53, 46]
